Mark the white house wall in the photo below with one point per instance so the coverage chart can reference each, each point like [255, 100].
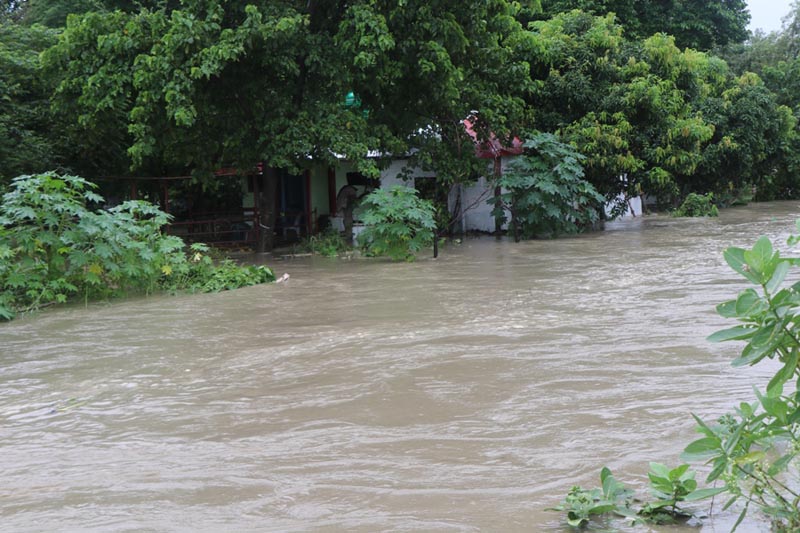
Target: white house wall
[478, 212]
[393, 174]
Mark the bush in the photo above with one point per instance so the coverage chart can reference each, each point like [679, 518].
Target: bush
[398, 223]
[54, 248]
[697, 205]
[545, 191]
[329, 243]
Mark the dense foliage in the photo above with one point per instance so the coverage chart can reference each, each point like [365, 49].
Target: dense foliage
[27, 141]
[159, 87]
[398, 223]
[54, 247]
[697, 205]
[668, 121]
[544, 190]
[698, 24]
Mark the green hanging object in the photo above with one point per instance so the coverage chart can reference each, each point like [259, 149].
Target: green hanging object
[353, 101]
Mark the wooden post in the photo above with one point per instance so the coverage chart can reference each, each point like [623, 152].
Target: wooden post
[256, 217]
[267, 206]
[498, 219]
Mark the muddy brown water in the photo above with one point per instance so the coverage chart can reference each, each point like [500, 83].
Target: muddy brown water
[462, 394]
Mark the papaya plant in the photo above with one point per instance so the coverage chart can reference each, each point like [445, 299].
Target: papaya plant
[398, 223]
[54, 247]
[544, 190]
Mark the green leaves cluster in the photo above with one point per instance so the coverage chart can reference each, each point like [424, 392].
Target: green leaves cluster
[545, 192]
[698, 24]
[28, 142]
[55, 247]
[751, 449]
[211, 84]
[697, 205]
[398, 223]
[652, 118]
[669, 487]
[754, 452]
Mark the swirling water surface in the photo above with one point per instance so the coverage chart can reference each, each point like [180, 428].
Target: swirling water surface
[459, 394]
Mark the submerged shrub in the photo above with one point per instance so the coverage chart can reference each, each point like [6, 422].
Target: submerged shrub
[398, 223]
[329, 243]
[545, 192]
[697, 205]
[54, 247]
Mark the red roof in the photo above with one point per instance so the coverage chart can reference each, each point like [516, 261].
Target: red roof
[492, 149]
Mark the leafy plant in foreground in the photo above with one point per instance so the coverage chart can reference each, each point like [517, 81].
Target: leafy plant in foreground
[753, 451]
[582, 504]
[669, 488]
[398, 223]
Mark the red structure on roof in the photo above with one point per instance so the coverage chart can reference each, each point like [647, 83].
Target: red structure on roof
[492, 149]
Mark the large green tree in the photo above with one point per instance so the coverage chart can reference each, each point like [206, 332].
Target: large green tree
[234, 83]
[28, 142]
[653, 118]
[699, 24]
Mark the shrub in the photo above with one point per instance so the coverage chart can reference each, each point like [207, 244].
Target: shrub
[697, 205]
[398, 223]
[329, 243]
[54, 248]
[545, 191]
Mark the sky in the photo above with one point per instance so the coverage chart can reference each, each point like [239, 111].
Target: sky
[767, 14]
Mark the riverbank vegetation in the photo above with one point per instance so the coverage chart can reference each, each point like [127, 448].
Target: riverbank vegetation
[56, 246]
[752, 454]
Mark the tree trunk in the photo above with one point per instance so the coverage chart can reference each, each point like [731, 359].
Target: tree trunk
[515, 225]
[266, 209]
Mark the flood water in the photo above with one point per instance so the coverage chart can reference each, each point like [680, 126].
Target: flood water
[460, 394]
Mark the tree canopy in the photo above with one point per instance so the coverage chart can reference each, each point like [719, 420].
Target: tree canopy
[165, 86]
[698, 24]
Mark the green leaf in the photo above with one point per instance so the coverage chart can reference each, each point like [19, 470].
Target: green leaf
[750, 458]
[749, 303]
[780, 465]
[735, 258]
[752, 355]
[735, 333]
[703, 447]
[702, 494]
[778, 276]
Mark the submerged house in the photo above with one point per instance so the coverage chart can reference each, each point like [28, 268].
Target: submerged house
[269, 207]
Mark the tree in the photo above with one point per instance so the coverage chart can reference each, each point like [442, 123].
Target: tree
[626, 105]
[27, 142]
[698, 24]
[54, 13]
[237, 82]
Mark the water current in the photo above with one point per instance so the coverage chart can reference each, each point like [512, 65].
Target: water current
[459, 394]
